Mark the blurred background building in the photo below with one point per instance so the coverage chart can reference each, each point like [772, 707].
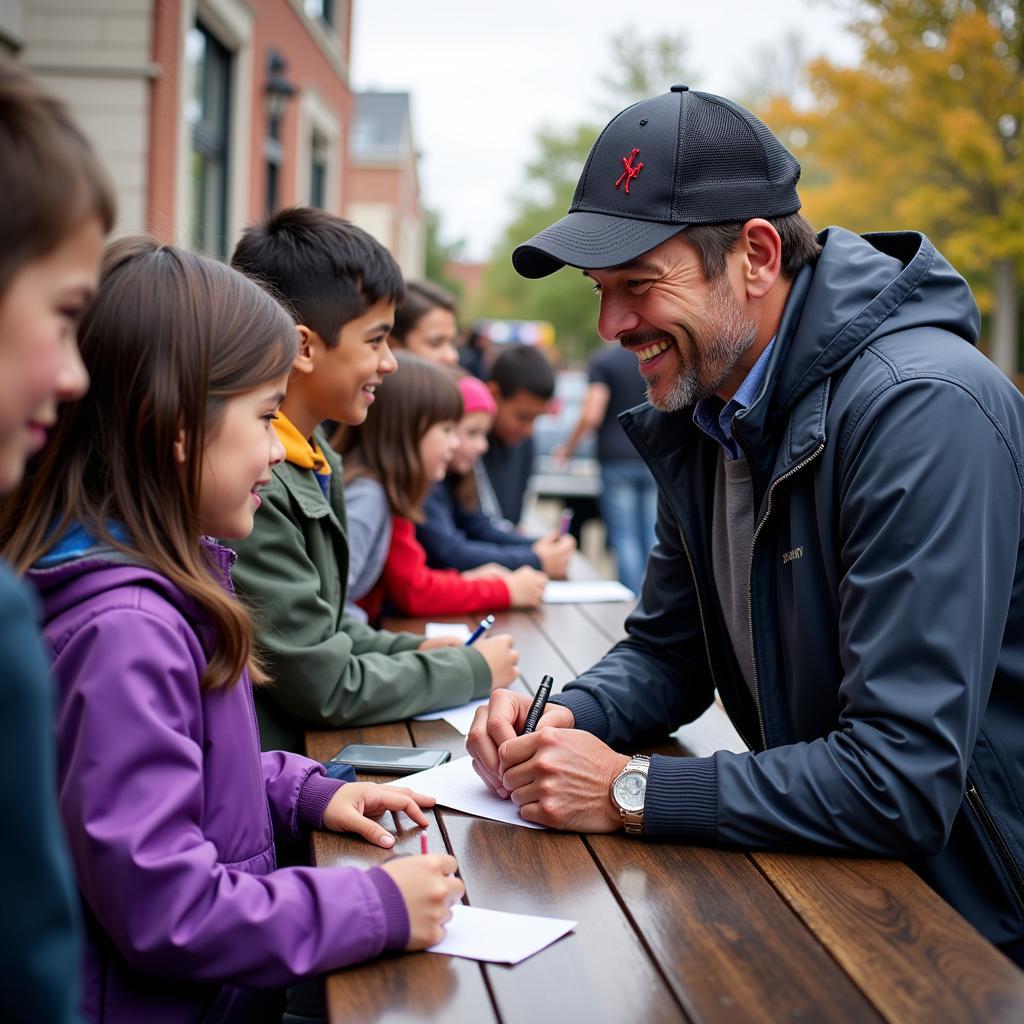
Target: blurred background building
[210, 113]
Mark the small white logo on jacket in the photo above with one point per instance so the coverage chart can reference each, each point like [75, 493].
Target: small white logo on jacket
[792, 556]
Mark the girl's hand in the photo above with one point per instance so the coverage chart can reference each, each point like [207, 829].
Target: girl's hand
[526, 587]
[354, 806]
[501, 658]
[429, 887]
[489, 571]
[435, 643]
[554, 552]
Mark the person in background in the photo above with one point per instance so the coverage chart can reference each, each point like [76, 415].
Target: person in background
[56, 205]
[330, 669]
[171, 811]
[522, 383]
[455, 533]
[474, 352]
[425, 323]
[402, 449]
[629, 498]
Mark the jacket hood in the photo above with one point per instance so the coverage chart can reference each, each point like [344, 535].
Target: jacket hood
[861, 288]
[80, 568]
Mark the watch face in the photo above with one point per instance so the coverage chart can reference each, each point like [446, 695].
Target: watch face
[630, 790]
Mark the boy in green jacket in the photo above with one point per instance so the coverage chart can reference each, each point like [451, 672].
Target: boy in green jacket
[329, 669]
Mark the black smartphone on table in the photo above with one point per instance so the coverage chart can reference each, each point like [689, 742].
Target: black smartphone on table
[376, 759]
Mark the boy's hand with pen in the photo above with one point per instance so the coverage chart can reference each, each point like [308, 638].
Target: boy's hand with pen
[555, 552]
[501, 657]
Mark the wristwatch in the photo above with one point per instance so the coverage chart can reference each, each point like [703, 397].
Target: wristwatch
[629, 791]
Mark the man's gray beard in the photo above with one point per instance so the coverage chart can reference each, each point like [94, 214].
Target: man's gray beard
[731, 335]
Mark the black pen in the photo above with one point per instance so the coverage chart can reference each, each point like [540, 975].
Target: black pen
[485, 624]
[537, 707]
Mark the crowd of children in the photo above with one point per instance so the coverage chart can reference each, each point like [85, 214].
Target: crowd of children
[178, 515]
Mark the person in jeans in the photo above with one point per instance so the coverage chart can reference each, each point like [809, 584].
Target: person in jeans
[629, 499]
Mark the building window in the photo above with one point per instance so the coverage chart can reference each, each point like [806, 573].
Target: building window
[208, 112]
[322, 9]
[319, 152]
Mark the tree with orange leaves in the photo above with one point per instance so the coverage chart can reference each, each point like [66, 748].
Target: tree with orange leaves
[926, 133]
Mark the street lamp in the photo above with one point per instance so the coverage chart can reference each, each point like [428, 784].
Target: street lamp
[277, 94]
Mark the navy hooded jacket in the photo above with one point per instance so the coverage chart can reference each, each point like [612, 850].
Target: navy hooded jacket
[887, 593]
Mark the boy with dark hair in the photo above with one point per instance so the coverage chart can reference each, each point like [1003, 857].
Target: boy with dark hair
[328, 669]
[522, 383]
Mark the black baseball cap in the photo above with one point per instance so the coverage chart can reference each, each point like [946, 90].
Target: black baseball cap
[681, 158]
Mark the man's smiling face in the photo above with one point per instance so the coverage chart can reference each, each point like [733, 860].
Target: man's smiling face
[689, 334]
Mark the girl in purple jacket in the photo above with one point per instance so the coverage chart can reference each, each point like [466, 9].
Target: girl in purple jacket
[171, 810]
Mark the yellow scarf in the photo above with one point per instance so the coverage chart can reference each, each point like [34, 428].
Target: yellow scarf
[297, 450]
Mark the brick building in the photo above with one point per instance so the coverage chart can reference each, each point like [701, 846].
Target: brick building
[384, 190]
[206, 112]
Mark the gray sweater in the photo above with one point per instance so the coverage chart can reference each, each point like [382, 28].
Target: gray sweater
[369, 537]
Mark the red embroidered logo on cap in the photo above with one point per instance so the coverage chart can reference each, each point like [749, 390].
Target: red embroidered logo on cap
[631, 170]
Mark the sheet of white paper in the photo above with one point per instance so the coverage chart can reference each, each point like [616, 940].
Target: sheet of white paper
[711, 732]
[586, 591]
[459, 630]
[498, 937]
[460, 718]
[456, 785]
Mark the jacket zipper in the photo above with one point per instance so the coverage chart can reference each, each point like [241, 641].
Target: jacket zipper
[1013, 872]
[767, 512]
[700, 608]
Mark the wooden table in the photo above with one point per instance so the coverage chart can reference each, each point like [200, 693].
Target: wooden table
[666, 932]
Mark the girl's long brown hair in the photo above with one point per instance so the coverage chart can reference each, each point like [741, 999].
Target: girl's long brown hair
[170, 338]
[51, 180]
[386, 446]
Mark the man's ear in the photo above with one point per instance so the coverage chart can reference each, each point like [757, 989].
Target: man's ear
[761, 250]
[180, 455]
[492, 386]
[304, 358]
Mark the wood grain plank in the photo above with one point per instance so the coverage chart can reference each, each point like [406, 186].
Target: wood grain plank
[609, 617]
[580, 643]
[731, 950]
[915, 957]
[539, 655]
[600, 972]
[395, 988]
[438, 734]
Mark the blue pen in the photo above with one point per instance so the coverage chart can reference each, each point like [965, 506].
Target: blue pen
[485, 624]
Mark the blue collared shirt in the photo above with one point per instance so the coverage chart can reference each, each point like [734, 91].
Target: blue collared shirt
[715, 417]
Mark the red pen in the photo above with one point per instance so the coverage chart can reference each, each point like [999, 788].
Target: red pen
[423, 842]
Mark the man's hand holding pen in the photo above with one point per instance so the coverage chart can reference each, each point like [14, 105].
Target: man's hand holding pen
[558, 776]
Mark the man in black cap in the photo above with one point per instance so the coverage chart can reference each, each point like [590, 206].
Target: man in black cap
[839, 545]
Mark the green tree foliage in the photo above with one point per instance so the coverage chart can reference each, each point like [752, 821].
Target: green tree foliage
[926, 134]
[643, 67]
[438, 254]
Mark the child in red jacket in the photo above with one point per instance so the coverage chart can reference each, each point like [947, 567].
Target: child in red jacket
[402, 449]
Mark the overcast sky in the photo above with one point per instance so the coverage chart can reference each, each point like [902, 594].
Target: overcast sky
[484, 76]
